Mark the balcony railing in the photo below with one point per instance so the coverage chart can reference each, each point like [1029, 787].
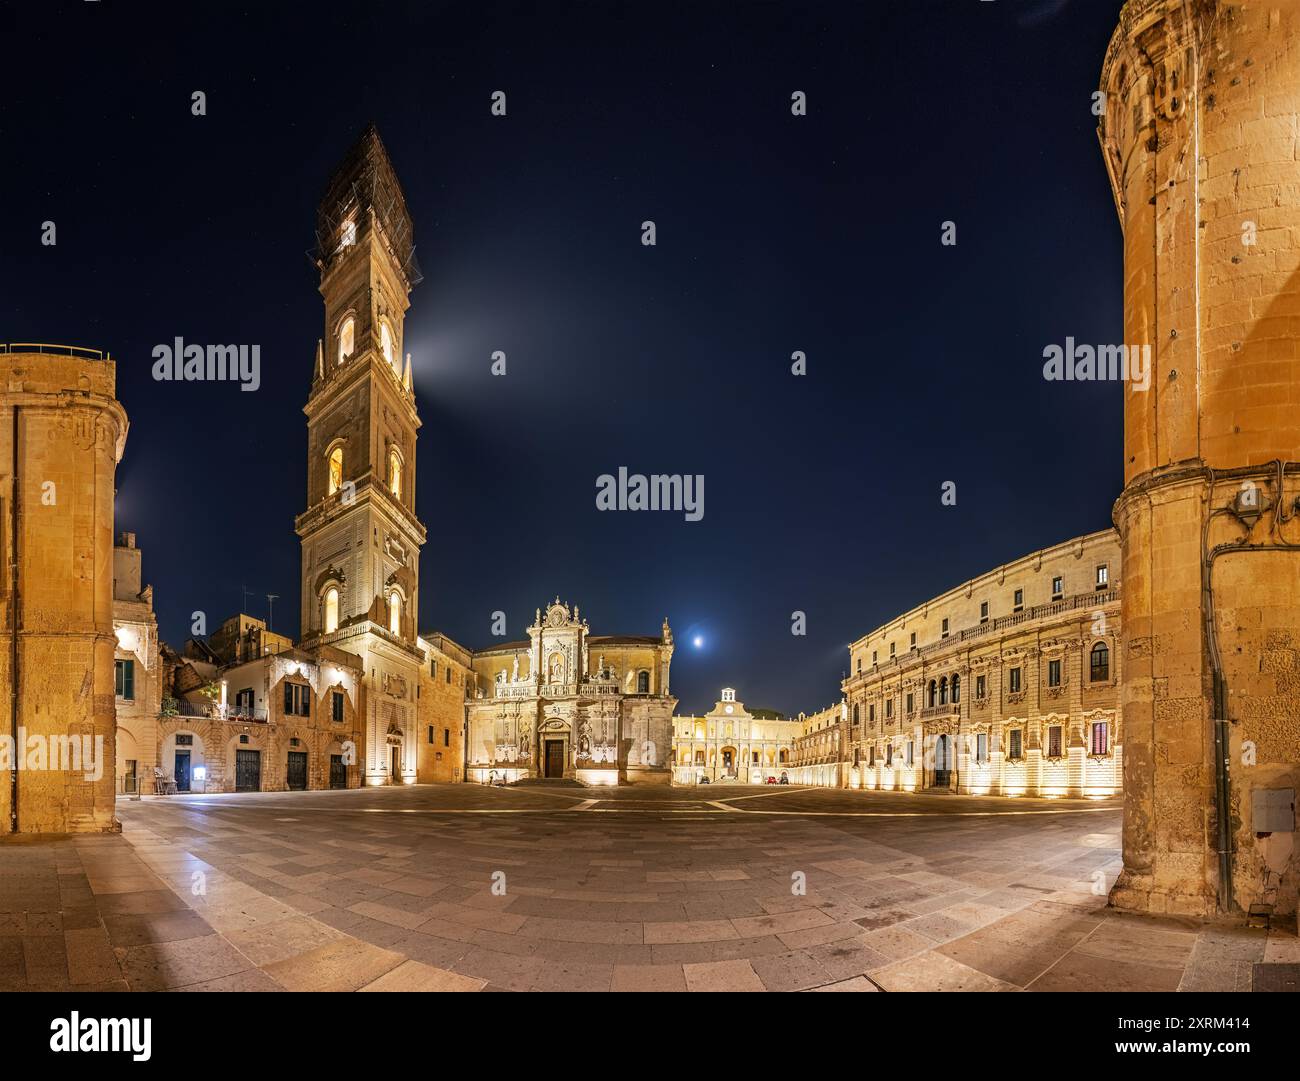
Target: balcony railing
[218, 712]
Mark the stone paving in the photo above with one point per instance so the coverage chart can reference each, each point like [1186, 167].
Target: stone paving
[604, 890]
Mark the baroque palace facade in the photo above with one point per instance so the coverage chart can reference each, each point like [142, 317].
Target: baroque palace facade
[729, 743]
[1006, 685]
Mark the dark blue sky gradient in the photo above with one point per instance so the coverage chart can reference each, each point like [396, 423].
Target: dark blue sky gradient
[775, 233]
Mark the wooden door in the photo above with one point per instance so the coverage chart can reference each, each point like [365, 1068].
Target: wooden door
[338, 772]
[248, 771]
[555, 758]
[297, 773]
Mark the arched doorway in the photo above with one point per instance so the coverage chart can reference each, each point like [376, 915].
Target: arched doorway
[728, 760]
[942, 761]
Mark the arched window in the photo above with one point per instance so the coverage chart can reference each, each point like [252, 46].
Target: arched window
[1100, 663]
[347, 338]
[643, 683]
[331, 611]
[395, 612]
[855, 713]
[956, 689]
[335, 470]
[943, 691]
[934, 690]
[386, 341]
[395, 472]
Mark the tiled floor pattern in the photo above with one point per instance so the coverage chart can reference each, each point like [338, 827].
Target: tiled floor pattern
[465, 888]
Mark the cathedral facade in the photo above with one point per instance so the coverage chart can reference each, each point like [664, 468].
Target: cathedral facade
[566, 704]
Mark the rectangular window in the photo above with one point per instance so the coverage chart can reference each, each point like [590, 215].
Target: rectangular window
[1019, 604]
[336, 707]
[124, 677]
[892, 651]
[871, 755]
[297, 700]
[909, 752]
[1013, 738]
[1103, 576]
[889, 708]
[448, 671]
[981, 686]
[945, 628]
[889, 754]
[912, 641]
[433, 668]
[1100, 743]
[1054, 741]
[871, 713]
[446, 737]
[1015, 681]
[1058, 588]
[1053, 673]
[873, 656]
[984, 611]
[911, 704]
[244, 701]
[754, 762]
[430, 734]
[185, 739]
[981, 747]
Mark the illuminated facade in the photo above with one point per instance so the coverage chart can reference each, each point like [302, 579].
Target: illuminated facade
[1006, 685]
[730, 744]
[819, 749]
[568, 705]
[277, 722]
[137, 671]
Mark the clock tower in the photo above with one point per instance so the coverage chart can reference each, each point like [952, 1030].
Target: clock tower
[360, 534]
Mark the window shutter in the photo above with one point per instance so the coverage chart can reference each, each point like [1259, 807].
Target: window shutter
[305, 692]
[288, 699]
[128, 680]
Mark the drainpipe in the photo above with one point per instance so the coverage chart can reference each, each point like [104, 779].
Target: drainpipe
[13, 627]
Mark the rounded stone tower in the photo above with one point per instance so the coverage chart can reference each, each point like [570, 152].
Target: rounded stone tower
[1199, 136]
[61, 436]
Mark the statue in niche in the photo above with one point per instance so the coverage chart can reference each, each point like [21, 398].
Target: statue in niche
[600, 668]
[557, 669]
[584, 740]
[514, 675]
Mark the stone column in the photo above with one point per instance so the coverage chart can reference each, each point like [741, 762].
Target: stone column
[1198, 136]
[62, 433]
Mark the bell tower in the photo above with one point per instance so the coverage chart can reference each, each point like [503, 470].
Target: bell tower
[360, 534]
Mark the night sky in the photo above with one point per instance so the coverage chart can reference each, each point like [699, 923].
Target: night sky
[775, 233]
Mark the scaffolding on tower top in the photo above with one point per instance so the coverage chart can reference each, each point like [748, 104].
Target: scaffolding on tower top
[365, 182]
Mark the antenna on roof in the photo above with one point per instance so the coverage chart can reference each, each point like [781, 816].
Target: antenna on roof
[271, 598]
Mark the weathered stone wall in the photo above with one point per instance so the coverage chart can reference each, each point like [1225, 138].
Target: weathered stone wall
[70, 436]
[441, 711]
[1199, 138]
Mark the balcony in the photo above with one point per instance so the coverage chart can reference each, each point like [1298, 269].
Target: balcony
[218, 712]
